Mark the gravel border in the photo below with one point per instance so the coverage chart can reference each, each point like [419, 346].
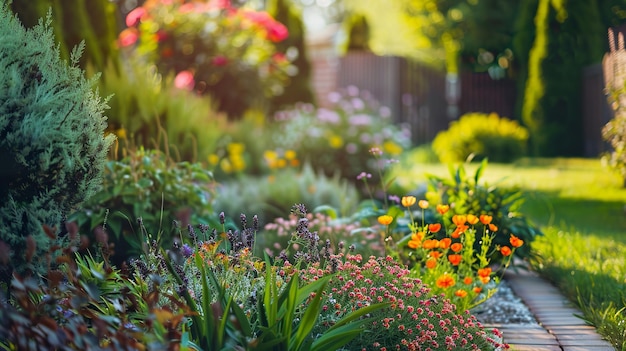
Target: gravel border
[504, 307]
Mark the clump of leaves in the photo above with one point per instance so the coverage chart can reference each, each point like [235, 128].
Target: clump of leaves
[149, 185]
[84, 304]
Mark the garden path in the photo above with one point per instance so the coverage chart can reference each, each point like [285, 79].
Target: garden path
[557, 327]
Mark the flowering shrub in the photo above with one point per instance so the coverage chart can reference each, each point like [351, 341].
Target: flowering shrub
[417, 318]
[337, 139]
[212, 47]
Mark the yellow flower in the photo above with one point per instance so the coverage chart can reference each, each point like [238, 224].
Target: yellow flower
[290, 155]
[235, 148]
[408, 201]
[121, 133]
[423, 204]
[226, 166]
[270, 155]
[281, 163]
[213, 159]
[392, 148]
[335, 141]
[385, 219]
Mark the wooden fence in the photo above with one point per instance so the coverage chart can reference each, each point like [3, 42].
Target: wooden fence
[416, 95]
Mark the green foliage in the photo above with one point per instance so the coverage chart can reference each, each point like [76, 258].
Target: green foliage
[568, 36]
[466, 195]
[92, 21]
[480, 136]
[147, 110]
[52, 143]
[226, 52]
[337, 139]
[274, 195]
[150, 187]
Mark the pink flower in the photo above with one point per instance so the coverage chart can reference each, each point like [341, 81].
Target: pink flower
[219, 60]
[135, 16]
[128, 37]
[184, 80]
[277, 32]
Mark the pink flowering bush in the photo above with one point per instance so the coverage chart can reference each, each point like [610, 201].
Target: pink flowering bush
[213, 48]
[337, 138]
[415, 320]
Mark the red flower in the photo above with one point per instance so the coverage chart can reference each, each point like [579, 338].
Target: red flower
[135, 16]
[128, 37]
[219, 60]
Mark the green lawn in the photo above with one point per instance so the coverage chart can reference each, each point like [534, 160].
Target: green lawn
[580, 206]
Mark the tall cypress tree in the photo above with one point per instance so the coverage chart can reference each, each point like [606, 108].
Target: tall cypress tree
[569, 35]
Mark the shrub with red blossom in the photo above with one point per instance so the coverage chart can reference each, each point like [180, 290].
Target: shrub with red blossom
[213, 48]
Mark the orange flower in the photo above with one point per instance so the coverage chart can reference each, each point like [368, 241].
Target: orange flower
[445, 243]
[423, 204]
[460, 293]
[505, 250]
[408, 201]
[419, 236]
[445, 281]
[468, 280]
[459, 220]
[442, 209]
[385, 219]
[484, 272]
[414, 244]
[493, 227]
[471, 219]
[458, 231]
[431, 263]
[456, 247]
[435, 254]
[477, 289]
[454, 259]
[485, 219]
[434, 228]
[485, 280]
[515, 241]
[430, 244]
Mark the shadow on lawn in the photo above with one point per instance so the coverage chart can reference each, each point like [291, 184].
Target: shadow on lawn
[606, 219]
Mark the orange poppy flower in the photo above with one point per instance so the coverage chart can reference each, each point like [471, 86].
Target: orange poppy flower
[431, 263]
[385, 219]
[445, 281]
[485, 280]
[477, 289]
[515, 241]
[430, 244]
[414, 244]
[459, 220]
[460, 293]
[505, 251]
[485, 219]
[493, 227]
[419, 236]
[434, 228]
[445, 243]
[471, 219]
[423, 204]
[442, 209]
[408, 201]
[456, 247]
[435, 254]
[458, 231]
[454, 259]
[468, 280]
[484, 272]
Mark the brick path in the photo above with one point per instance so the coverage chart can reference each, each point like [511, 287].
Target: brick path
[558, 329]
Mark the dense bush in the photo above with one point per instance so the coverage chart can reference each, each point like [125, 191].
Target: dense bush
[148, 187]
[337, 139]
[481, 136]
[52, 143]
[212, 48]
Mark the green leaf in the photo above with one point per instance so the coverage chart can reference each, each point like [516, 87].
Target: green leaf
[309, 318]
[480, 170]
[327, 210]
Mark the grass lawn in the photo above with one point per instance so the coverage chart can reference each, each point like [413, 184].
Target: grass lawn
[580, 206]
